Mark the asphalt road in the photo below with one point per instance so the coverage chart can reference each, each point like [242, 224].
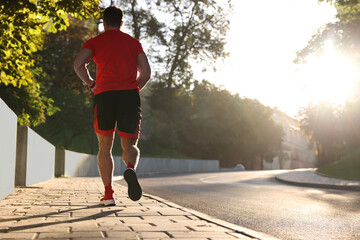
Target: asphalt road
[255, 200]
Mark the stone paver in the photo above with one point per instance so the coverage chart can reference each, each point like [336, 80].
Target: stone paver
[67, 208]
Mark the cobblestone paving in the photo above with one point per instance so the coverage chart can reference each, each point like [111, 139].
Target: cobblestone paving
[68, 208]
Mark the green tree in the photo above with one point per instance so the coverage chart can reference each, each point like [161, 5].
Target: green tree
[28, 103]
[262, 137]
[207, 122]
[58, 53]
[351, 122]
[67, 127]
[142, 21]
[344, 32]
[168, 107]
[21, 32]
[61, 84]
[215, 127]
[23, 24]
[194, 30]
[322, 124]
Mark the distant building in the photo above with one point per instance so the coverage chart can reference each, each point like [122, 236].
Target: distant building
[296, 149]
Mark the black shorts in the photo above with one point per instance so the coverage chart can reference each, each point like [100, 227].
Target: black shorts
[121, 108]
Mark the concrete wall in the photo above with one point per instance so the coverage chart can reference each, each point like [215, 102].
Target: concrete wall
[8, 128]
[74, 164]
[270, 166]
[85, 165]
[286, 164]
[80, 165]
[168, 165]
[35, 158]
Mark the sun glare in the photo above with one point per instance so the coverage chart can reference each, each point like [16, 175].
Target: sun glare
[329, 77]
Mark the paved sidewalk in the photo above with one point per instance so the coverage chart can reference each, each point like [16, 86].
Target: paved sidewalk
[310, 178]
[67, 208]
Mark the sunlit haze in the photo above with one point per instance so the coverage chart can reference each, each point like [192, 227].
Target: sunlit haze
[329, 77]
[263, 39]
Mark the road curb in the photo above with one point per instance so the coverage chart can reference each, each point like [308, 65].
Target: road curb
[317, 185]
[238, 229]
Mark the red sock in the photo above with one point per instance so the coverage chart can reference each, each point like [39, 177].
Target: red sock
[108, 190]
[129, 165]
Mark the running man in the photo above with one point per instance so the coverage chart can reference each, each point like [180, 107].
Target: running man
[122, 71]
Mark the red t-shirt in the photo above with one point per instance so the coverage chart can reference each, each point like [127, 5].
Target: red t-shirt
[115, 54]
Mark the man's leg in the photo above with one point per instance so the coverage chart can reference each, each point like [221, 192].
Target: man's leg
[106, 166]
[105, 159]
[130, 157]
[131, 152]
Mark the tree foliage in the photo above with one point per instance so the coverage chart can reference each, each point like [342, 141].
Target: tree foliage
[323, 125]
[333, 129]
[344, 32]
[142, 21]
[58, 53]
[29, 104]
[210, 123]
[351, 124]
[63, 86]
[74, 120]
[196, 31]
[23, 25]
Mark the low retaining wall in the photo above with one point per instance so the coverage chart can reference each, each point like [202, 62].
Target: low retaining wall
[169, 165]
[35, 158]
[74, 164]
[8, 128]
[84, 165]
[80, 165]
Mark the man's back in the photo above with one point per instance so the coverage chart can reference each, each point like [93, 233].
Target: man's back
[115, 54]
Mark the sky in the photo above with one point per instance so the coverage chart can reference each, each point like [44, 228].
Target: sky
[263, 39]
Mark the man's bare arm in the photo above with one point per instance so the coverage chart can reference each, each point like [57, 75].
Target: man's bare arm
[81, 61]
[144, 70]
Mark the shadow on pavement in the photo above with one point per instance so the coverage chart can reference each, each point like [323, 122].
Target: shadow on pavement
[35, 225]
[335, 198]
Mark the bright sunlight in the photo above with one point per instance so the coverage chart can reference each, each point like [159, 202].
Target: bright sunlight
[263, 42]
[330, 77]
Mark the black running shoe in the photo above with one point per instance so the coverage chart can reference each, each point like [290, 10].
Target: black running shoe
[134, 189]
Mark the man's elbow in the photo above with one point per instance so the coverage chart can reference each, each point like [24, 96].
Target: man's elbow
[147, 75]
[144, 74]
[76, 67]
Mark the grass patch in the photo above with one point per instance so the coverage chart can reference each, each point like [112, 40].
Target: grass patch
[348, 167]
[61, 176]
